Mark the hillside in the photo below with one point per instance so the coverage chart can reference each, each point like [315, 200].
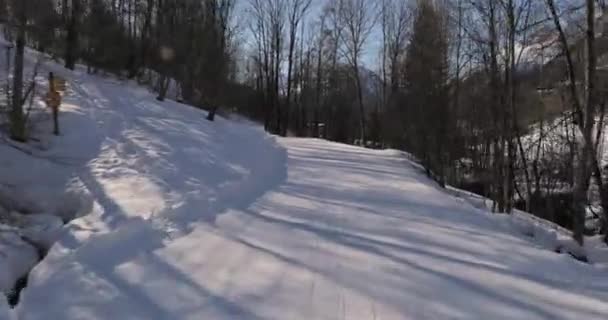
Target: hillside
[180, 218]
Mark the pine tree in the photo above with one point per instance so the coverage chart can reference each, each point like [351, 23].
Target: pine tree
[427, 113]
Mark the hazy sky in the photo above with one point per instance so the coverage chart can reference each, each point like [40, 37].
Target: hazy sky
[370, 56]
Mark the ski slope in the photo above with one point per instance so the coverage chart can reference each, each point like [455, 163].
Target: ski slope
[196, 220]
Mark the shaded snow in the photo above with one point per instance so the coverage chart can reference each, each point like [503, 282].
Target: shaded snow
[189, 219]
[342, 233]
[5, 313]
[17, 257]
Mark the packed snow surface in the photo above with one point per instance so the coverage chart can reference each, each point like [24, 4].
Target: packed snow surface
[198, 220]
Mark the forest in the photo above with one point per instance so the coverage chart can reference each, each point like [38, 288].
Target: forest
[503, 98]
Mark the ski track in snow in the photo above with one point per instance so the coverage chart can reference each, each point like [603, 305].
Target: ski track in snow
[219, 221]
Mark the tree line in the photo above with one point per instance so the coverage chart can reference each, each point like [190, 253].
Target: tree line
[505, 98]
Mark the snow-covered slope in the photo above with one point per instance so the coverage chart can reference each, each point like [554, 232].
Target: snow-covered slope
[196, 220]
[342, 233]
[137, 167]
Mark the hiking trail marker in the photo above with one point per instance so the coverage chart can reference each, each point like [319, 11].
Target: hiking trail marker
[53, 98]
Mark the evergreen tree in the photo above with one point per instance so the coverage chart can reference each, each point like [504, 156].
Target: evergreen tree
[426, 109]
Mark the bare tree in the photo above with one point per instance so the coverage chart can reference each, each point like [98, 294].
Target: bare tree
[584, 113]
[268, 28]
[72, 25]
[394, 20]
[357, 18]
[217, 58]
[297, 11]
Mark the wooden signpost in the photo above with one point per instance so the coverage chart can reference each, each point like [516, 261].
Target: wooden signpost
[59, 84]
[53, 99]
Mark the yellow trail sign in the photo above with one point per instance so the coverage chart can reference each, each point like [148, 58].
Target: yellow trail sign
[53, 99]
[59, 84]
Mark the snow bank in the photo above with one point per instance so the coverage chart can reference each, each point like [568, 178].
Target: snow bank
[136, 174]
[597, 251]
[543, 233]
[41, 230]
[40, 187]
[39, 191]
[5, 312]
[17, 257]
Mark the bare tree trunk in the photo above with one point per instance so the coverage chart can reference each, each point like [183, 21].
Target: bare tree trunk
[360, 102]
[318, 93]
[581, 186]
[292, 42]
[212, 112]
[498, 151]
[356, 18]
[72, 36]
[603, 190]
[163, 87]
[131, 64]
[146, 34]
[584, 117]
[298, 10]
[17, 117]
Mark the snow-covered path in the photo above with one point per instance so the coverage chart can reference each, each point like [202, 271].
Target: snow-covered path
[194, 220]
[358, 234]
